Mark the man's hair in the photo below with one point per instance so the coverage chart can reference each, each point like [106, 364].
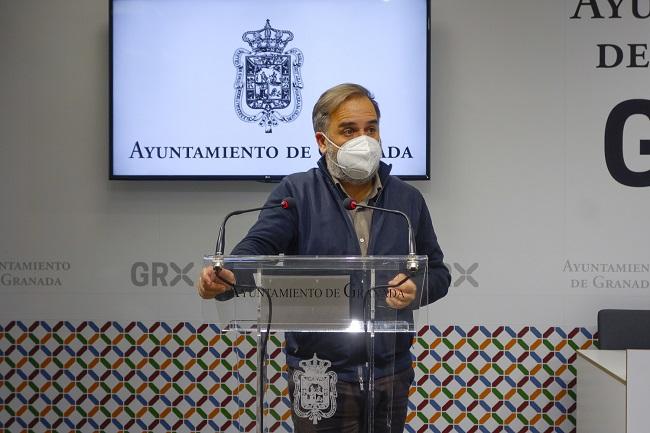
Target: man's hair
[333, 98]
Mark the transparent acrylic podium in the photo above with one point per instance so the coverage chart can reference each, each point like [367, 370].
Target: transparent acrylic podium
[331, 308]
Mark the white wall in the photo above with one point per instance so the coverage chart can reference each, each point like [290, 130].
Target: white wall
[519, 183]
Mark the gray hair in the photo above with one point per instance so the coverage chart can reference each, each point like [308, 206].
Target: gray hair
[333, 98]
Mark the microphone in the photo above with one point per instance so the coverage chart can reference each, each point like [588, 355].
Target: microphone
[217, 263]
[411, 262]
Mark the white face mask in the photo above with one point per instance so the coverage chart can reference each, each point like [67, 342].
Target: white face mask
[358, 158]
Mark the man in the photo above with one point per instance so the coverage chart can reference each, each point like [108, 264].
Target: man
[346, 126]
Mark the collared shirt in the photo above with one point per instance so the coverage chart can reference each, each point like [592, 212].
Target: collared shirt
[362, 218]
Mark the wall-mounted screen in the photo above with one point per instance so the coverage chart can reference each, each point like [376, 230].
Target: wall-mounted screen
[224, 89]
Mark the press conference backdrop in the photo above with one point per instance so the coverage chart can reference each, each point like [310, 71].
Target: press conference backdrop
[529, 103]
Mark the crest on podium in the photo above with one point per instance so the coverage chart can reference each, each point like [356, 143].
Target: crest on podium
[315, 391]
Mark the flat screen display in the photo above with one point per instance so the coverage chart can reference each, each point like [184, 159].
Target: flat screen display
[224, 89]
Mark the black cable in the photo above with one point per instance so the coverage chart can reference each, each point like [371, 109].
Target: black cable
[366, 372]
[262, 291]
[385, 286]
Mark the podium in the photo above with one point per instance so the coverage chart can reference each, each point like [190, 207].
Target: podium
[613, 391]
[345, 325]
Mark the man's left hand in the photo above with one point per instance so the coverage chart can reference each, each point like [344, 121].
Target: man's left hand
[401, 296]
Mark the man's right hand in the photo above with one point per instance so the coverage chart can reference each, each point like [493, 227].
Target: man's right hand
[211, 285]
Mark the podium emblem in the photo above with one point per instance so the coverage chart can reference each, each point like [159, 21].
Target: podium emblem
[314, 396]
[268, 80]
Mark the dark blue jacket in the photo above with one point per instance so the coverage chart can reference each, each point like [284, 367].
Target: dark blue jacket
[320, 225]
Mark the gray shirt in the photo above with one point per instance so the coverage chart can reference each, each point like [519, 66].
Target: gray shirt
[362, 218]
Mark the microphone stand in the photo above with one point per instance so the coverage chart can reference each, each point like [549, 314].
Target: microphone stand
[411, 261]
[218, 263]
[411, 268]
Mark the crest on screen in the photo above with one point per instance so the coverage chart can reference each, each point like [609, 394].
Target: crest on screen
[268, 81]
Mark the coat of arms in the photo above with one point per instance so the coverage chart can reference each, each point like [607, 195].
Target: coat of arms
[314, 396]
[267, 77]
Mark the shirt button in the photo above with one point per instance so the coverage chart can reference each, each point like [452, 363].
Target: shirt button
[362, 240]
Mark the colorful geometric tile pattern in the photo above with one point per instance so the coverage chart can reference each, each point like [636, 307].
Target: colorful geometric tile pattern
[496, 380]
[159, 377]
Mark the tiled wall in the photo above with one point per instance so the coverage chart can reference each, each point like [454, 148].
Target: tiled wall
[138, 377]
